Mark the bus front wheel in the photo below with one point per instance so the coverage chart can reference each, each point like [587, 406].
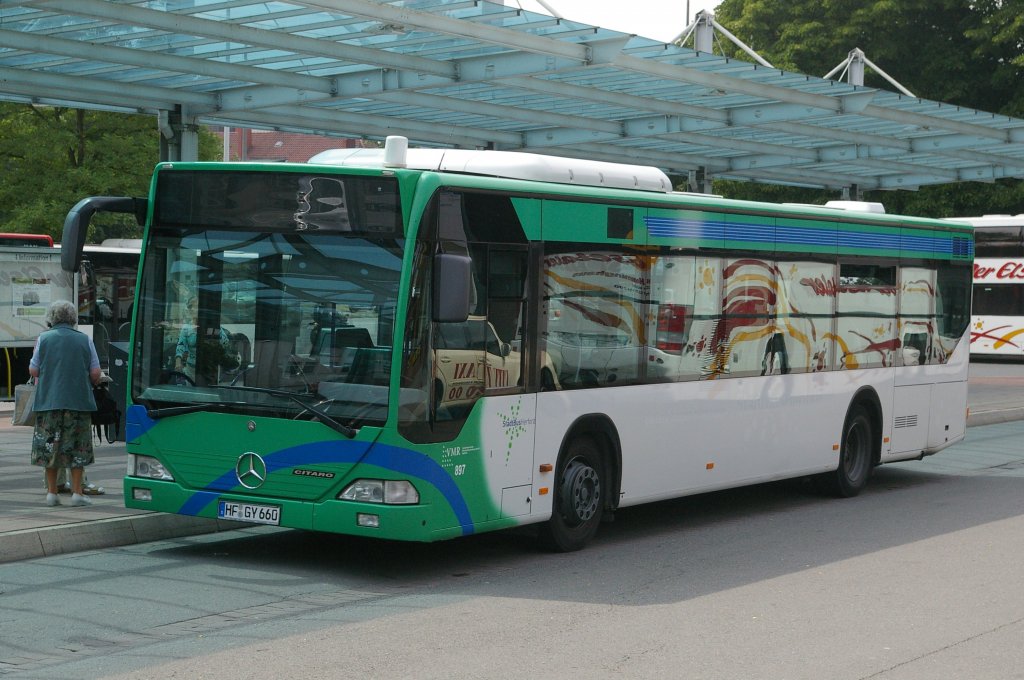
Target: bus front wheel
[855, 454]
[578, 498]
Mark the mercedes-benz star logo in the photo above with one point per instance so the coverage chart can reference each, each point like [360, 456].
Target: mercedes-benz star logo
[251, 470]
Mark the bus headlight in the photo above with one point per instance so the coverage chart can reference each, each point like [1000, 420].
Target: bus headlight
[389, 492]
[148, 467]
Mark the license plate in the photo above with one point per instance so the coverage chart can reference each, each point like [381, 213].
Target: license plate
[248, 512]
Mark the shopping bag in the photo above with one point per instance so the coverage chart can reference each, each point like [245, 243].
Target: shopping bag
[24, 404]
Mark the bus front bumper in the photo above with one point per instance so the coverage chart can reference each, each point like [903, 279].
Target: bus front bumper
[375, 520]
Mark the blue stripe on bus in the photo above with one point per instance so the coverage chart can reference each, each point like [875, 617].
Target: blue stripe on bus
[673, 227]
[669, 227]
[136, 422]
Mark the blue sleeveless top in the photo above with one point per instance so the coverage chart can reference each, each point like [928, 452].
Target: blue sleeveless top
[64, 357]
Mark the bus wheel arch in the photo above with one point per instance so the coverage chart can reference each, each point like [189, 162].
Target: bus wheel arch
[586, 483]
[860, 446]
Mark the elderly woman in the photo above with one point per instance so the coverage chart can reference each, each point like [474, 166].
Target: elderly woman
[66, 366]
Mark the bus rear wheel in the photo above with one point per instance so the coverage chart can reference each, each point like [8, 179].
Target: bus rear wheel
[579, 497]
[855, 456]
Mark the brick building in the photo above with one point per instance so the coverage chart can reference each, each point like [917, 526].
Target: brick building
[270, 145]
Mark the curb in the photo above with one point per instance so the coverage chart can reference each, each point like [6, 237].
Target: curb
[105, 533]
[995, 416]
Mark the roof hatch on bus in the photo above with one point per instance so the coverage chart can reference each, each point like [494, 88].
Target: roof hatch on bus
[508, 164]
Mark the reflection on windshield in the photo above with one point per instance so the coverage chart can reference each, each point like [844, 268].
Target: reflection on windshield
[241, 319]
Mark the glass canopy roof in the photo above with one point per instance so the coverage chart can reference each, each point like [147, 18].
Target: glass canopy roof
[475, 74]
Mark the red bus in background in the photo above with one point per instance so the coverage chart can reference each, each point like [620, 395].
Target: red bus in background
[38, 240]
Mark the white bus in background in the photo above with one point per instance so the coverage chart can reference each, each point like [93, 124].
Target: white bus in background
[31, 278]
[997, 311]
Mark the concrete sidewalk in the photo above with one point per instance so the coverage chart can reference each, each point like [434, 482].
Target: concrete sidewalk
[28, 528]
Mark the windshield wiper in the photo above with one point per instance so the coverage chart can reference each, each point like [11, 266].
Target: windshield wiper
[171, 411]
[327, 420]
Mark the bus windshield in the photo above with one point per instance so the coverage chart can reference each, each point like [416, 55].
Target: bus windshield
[292, 322]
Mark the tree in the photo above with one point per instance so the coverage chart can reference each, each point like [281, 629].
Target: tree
[999, 43]
[964, 52]
[52, 157]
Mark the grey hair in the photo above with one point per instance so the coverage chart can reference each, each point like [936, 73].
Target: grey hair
[62, 312]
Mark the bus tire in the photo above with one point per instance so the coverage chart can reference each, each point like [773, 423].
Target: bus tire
[579, 497]
[855, 456]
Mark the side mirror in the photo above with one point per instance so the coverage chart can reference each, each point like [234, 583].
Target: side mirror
[453, 280]
[76, 224]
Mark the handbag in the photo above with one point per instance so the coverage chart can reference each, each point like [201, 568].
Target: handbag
[107, 417]
[24, 404]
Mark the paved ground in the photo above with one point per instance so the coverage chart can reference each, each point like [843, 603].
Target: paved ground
[28, 528]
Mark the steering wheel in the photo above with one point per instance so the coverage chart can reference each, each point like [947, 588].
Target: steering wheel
[176, 376]
[241, 374]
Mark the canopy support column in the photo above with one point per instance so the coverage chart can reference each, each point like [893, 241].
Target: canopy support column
[179, 135]
[853, 193]
[699, 181]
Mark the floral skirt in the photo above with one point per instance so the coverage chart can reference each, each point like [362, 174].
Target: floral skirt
[62, 439]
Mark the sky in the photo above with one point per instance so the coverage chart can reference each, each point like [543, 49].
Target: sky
[658, 19]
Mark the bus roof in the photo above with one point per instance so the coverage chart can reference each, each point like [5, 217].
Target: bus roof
[121, 243]
[992, 220]
[508, 164]
[518, 165]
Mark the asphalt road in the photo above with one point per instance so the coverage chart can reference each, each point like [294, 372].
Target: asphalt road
[917, 578]
[996, 385]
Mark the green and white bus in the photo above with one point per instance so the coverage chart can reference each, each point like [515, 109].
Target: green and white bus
[420, 344]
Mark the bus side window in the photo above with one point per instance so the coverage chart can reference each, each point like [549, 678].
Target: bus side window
[598, 334]
[952, 307]
[741, 341]
[917, 315]
[682, 302]
[866, 315]
[804, 314]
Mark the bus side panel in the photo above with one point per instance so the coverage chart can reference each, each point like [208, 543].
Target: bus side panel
[938, 418]
[692, 437]
[948, 421]
[949, 398]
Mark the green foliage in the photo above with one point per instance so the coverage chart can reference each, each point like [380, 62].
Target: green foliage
[964, 52]
[942, 200]
[955, 200]
[50, 158]
[772, 193]
[943, 50]
[998, 42]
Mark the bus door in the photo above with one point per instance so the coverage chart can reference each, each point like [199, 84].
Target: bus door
[484, 357]
[482, 408]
